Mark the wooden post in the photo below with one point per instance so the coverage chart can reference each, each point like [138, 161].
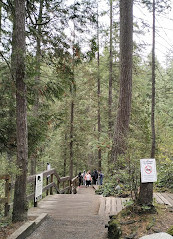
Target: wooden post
[47, 179]
[47, 182]
[51, 189]
[70, 184]
[35, 202]
[58, 184]
[7, 195]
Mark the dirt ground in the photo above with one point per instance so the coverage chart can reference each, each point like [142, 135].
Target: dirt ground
[7, 228]
[134, 225]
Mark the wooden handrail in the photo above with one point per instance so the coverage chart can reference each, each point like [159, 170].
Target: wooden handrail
[48, 174]
[72, 183]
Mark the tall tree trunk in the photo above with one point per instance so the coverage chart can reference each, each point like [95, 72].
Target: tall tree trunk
[65, 155]
[72, 91]
[110, 78]
[0, 21]
[146, 189]
[71, 133]
[125, 95]
[37, 79]
[98, 94]
[20, 201]
[153, 89]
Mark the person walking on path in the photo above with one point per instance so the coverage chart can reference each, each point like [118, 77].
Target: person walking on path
[80, 178]
[101, 175]
[83, 175]
[88, 179]
[95, 176]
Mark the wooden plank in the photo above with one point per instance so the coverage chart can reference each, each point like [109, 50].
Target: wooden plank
[158, 198]
[169, 197]
[165, 201]
[48, 186]
[102, 206]
[108, 205]
[114, 206]
[119, 205]
[74, 179]
[45, 174]
[63, 179]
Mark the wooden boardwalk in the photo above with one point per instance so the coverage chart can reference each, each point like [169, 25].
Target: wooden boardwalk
[164, 198]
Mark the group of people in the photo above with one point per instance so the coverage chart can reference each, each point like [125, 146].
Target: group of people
[88, 178]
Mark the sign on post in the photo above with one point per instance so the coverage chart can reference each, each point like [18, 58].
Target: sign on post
[38, 186]
[148, 170]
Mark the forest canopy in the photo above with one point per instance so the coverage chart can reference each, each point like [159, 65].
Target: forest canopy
[61, 73]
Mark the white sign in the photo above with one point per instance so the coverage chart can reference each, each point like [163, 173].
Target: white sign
[38, 186]
[148, 170]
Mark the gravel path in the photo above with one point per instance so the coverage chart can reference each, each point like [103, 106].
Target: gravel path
[71, 216]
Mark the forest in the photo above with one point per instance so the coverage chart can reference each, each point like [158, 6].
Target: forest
[76, 92]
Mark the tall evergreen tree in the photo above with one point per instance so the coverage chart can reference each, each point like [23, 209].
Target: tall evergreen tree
[146, 189]
[110, 76]
[20, 201]
[98, 92]
[125, 95]
[38, 74]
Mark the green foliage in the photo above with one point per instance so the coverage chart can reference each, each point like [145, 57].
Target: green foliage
[108, 189]
[170, 231]
[165, 172]
[114, 229]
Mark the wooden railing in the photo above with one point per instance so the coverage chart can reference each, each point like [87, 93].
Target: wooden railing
[52, 181]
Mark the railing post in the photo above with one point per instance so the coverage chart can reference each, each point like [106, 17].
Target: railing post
[70, 185]
[7, 195]
[35, 202]
[58, 183]
[47, 182]
[51, 189]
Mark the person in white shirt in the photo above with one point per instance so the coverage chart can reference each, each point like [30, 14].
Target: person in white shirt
[88, 179]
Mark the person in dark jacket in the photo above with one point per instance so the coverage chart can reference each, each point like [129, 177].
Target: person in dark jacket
[95, 176]
[80, 178]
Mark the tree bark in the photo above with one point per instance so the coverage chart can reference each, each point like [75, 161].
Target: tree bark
[71, 136]
[146, 194]
[146, 189]
[125, 95]
[72, 91]
[20, 202]
[153, 89]
[98, 95]
[110, 78]
[37, 79]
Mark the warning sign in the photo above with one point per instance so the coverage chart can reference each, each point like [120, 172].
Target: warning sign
[38, 186]
[148, 170]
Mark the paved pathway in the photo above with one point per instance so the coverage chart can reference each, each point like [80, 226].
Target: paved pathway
[81, 215]
[74, 216]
